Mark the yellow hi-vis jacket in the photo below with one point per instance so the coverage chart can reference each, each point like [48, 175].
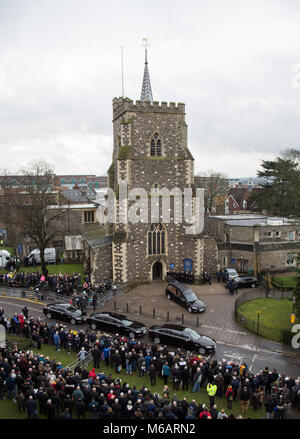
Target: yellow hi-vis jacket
[211, 389]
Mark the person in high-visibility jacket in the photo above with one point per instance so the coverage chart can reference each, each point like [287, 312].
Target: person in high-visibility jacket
[211, 390]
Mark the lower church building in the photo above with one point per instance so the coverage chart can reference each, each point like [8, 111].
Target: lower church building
[151, 156]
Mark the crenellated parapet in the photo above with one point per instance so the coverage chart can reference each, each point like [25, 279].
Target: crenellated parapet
[123, 105]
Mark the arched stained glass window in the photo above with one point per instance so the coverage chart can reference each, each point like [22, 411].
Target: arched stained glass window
[156, 239]
[155, 146]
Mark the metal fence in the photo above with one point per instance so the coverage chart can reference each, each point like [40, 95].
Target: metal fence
[82, 363]
[271, 333]
[49, 296]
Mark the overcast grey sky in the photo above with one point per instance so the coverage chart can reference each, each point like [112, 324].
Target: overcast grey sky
[232, 62]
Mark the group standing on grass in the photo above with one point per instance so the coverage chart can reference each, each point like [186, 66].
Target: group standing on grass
[42, 386]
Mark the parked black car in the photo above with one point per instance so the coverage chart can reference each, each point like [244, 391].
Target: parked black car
[245, 282]
[182, 336]
[184, 296]
[64, 311]
[116, 323]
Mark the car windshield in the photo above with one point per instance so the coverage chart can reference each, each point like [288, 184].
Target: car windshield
[191, 333]
[190, 296]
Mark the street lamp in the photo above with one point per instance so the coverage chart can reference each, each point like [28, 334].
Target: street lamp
[258, 315]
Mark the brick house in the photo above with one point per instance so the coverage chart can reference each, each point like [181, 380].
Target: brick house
[238, 200]
[255, 242]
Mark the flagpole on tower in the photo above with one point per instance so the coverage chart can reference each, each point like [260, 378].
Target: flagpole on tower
[122, 69]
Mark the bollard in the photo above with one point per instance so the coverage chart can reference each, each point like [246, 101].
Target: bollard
[115, 305]
[197, 322]
[168, 316]
[140, 310]
[182, 319]
[153, 313]
[127, 307]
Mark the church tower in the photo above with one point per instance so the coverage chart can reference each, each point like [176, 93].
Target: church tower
[150, 152]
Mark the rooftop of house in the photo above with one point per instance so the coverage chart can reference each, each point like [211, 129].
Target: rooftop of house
[251, 220]
[79, 195]
[95, 235]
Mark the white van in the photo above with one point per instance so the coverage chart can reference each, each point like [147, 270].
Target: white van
[49, 254]
[5, 258]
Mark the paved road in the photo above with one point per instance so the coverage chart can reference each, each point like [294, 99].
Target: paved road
[257, 358]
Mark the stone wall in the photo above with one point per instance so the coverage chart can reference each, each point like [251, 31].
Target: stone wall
[101, 261]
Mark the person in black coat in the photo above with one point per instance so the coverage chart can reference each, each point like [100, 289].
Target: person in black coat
[185, 377]
[96, 354]
[152, 374]
[50, 410]
[80, 408]
[68, 404]
[31, 407]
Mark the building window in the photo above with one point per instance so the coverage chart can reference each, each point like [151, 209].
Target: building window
[156, 239]
[155, 146]
[290, 259]
[291, 235]
[89, 216]
[269, 234]
[277, 234]
[224, 261]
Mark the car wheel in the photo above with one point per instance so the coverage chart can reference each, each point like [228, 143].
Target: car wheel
[131, 334]
[190, 309]
[253, 286]
[73, 322]
[202, 351]
[168, 297]
[157, 340]
[93, 326]
[49, 316]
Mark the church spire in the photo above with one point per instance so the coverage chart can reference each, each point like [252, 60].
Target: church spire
[146, 94]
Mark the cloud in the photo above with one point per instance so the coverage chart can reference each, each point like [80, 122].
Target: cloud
[230, 62]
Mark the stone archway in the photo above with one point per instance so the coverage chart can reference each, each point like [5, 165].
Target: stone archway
[157, 271]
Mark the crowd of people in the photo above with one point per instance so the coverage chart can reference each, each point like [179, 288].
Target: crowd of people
[40, 386]
[181, 276]
[63, 283]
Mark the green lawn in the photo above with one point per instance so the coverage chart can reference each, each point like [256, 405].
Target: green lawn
[285, 281]
[8, 410]
[275, 314]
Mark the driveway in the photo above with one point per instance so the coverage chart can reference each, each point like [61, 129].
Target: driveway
[217, 321]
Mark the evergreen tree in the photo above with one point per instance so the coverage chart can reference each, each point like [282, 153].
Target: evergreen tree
[280, 193]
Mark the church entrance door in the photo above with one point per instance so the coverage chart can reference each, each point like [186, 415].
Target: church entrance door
[157, 271]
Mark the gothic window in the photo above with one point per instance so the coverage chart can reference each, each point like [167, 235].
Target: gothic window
[155, 146]
[156, 239]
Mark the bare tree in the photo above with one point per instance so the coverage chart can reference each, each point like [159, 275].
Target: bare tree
[26, 201]
[216, 189]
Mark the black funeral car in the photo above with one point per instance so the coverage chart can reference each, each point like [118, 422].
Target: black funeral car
[182, 336]
[117, 323]
[183, 295]
[245, 282]
[64, 311]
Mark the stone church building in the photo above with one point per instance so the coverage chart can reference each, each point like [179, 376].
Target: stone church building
[150, 152]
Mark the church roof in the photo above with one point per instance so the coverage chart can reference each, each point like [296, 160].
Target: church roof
[96, 235]
[146, 94]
